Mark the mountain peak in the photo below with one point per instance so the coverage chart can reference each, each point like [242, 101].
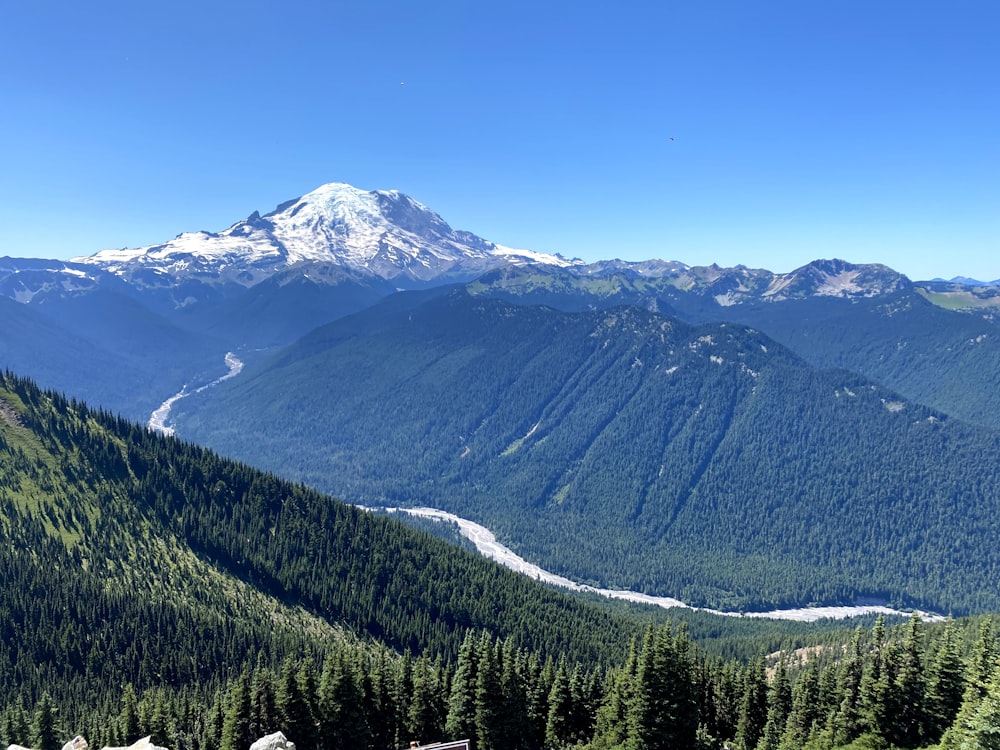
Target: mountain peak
[836, 278]
[382, 232]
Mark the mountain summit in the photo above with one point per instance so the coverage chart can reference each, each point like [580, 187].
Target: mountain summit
[382, 232]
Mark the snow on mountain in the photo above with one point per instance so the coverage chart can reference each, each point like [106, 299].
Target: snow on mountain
[385, 233]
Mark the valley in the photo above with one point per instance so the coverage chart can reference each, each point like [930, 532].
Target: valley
[161, 415]
[487, 545]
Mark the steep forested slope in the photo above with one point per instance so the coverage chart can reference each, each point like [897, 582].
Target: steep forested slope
[946, 359]
[128, 557]
[628, 448]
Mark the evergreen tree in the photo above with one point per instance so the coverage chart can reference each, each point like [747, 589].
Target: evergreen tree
[293, 707]
[425, 720]
[945, 684]
[753, 706]
[460, 723]
[236, 724]
[978, 724]
[806, 709]
[128, 719]
[489, 716]
[263, 703]
[16, 726]
[847, 723]
[611, 723]
[211, 732]
[909, 712]
[516, 689]
[378, 701]
[340, 705]
[558, 726]
[664, 713]
[779, 706]
[44, 733]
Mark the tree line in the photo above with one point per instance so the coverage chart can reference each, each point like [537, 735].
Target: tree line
[907, 686]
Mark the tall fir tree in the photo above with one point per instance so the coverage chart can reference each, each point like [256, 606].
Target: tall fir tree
[236, 733]
[44, 732]
[753, 706]
[945, 684]
[779, 706]
[460, 723]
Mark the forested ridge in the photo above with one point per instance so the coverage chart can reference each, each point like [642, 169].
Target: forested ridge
[944, 358]
[629, 449]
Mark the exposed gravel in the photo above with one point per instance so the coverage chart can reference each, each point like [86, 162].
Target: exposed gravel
[488, 546]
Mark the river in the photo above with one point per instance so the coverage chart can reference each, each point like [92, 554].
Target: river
[488, 546]
[158, 419]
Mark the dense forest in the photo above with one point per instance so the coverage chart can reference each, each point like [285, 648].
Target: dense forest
[152, 587]
[626, 448]
[910, 686]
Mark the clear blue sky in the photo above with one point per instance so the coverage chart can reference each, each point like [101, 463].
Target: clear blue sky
[868, 131]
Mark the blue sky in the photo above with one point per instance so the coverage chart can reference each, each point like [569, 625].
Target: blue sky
[763, 133]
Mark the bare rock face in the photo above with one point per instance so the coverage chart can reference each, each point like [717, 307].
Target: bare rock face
[146, 743]
[276, 741]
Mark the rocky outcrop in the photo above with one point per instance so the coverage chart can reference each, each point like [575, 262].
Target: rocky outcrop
[276, 741]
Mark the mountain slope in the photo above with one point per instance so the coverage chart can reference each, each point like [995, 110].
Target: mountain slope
[150, 523]
[704, 462]
[867, 319]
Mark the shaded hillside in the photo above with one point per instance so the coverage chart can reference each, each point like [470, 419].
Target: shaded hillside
[633, 450]
[106, 349]
[946, 359]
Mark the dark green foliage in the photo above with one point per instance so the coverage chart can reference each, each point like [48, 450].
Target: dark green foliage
[236, 733]
[664, 710]
[115, 639]
[629, 449]
[44, 731]
[942, 358]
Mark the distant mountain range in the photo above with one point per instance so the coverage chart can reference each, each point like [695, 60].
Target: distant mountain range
[393, 358]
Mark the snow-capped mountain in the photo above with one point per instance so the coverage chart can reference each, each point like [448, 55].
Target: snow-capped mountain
[385, 233]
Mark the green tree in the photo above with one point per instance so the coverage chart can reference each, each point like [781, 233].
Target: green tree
[558, 726]
[340, 704]
[664, 713]
[753, 706]
[460, 723]
[263, 703]
[293, 707]
[44, 733]
[909, 720]
[427, 705]
[489, 711]
[236, 724]
[945, 684]
[128, 719]
[779, 706]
